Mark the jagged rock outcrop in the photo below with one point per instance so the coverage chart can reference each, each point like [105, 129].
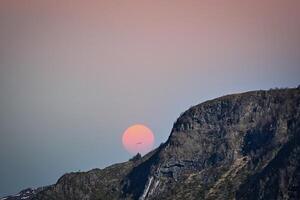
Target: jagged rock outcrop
[241, 146]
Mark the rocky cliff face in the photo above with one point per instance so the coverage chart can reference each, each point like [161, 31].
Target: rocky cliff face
[241, 146]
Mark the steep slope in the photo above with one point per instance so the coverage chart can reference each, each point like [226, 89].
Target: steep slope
[95, 184]
[221, 149]
[241, 146]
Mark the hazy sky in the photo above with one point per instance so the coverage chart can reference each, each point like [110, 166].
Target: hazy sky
[75, 74]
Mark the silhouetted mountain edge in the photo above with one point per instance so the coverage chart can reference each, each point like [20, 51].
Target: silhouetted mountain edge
[239, 146]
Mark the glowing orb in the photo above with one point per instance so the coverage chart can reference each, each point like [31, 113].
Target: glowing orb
[138, 139]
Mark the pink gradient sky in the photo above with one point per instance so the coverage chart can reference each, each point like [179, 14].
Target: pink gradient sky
[75, 74]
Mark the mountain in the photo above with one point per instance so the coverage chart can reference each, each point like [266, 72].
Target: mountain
[24, 194]
[242, 146]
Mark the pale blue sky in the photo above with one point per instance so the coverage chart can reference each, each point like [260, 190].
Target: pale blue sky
[74, 76]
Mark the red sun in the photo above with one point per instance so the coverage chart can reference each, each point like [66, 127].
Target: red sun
[138, 139]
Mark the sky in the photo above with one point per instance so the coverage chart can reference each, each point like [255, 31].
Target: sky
[75, 74]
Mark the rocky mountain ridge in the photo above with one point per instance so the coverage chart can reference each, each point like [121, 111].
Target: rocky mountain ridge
[240, 146]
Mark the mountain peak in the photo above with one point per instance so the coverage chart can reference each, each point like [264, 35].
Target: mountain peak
[240, 146]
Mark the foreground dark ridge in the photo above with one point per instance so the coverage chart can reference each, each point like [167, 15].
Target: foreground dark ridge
[241, 146]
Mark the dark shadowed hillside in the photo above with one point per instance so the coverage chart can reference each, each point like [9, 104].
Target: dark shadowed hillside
[241, 146]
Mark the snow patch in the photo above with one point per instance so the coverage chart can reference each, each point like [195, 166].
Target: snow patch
[147, 189]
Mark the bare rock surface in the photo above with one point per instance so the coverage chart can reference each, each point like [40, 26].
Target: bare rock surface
[241, 146]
